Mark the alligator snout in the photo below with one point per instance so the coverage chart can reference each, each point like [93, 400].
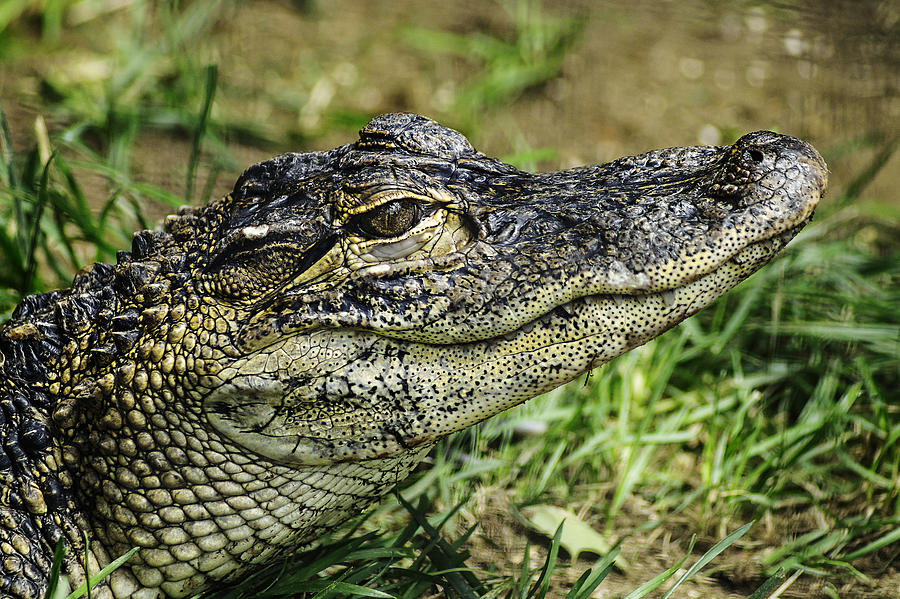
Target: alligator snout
[764, 166]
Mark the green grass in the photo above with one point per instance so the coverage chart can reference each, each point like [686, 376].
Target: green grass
[504, 67]
[767, 426]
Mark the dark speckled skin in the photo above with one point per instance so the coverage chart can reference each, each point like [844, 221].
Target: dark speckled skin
[268, 365]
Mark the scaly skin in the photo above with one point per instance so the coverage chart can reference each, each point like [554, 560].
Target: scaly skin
[269, 365]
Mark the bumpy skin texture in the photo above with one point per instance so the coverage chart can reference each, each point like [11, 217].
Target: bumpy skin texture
[268, 365]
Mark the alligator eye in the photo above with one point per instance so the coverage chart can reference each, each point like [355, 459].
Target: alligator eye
[390, 219]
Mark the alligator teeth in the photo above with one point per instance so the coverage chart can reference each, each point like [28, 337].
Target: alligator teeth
[525, 328]
[564, 310]
[669, 297]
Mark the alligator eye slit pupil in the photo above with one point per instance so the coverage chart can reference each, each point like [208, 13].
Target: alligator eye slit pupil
[390, 219]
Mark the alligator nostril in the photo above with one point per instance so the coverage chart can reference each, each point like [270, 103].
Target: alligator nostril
[755, 155]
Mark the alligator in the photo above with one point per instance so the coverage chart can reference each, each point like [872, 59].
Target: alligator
[263, 368]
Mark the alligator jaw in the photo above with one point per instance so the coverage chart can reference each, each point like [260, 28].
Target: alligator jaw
[632, 319]
[673, 304]
[586, 333]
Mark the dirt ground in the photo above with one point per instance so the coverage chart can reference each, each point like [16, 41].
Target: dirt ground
[735, 574]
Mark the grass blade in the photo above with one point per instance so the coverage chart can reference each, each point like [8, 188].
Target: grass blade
[209, 92]
[653, 583]
[769, 585]
[102, 574]
[882, 541]
[709, 556]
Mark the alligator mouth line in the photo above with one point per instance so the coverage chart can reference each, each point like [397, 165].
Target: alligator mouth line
[670, 306]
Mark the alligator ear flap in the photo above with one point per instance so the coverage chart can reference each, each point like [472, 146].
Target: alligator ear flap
[245, 278]
[257, 262]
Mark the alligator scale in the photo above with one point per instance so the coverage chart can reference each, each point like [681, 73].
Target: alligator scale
[265, 367]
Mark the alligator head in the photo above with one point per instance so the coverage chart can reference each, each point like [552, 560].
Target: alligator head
[268, 365]
[394, 291]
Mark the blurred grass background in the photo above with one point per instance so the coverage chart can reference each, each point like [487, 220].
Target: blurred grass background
[777, 407]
